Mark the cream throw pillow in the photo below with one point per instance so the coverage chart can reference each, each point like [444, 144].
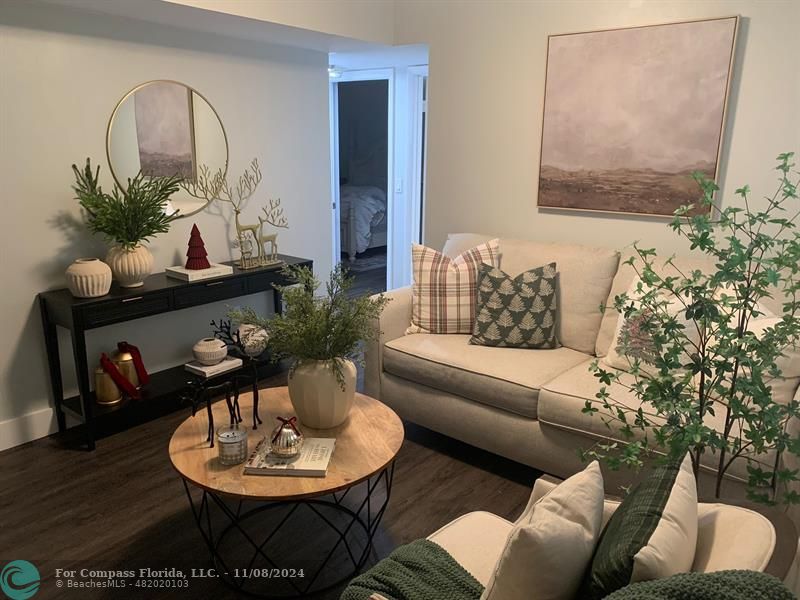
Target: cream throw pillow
[548, 552]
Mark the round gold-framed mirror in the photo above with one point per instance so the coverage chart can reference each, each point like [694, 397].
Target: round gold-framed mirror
[163, 128]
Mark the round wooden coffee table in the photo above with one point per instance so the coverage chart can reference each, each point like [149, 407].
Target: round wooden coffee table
[338, 514]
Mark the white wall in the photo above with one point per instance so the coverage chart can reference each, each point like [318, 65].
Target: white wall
[62, 74]
[487, 72]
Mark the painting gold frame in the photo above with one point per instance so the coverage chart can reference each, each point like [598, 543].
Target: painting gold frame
[722, 124]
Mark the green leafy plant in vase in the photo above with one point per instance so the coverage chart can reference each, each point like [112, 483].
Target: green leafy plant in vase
[322, 336]
[126, 218]
[710, 369]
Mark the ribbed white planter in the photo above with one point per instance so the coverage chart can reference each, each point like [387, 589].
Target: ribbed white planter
[317, 398]
[130, 267]
[88, 278]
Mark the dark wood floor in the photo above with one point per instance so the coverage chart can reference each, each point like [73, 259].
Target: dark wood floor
[123, 506]
[368, 283]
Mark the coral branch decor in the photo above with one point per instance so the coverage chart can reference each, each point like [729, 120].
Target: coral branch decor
[250, 237]
[196, 255]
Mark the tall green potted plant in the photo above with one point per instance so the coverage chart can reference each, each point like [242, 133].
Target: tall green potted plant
[711, 371]
[321, 335]
[126, 218]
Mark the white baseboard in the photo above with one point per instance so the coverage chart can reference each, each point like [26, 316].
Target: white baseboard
[34, 425]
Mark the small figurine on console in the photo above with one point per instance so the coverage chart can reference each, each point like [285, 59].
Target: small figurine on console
[196, 255]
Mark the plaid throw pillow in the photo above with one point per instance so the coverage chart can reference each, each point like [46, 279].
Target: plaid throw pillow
[444, 291]
[651, 535]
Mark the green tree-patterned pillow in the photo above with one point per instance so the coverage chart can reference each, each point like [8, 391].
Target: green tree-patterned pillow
[518, 312]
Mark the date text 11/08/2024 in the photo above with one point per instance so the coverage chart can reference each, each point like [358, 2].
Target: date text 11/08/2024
[173, 573]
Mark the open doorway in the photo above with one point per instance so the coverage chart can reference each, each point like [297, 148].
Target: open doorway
[378, 114]
[363, 154]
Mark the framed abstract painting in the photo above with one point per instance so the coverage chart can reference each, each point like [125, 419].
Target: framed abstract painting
[630, 114]
[165, 130]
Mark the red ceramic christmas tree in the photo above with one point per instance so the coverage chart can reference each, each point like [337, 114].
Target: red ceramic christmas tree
[196, 254]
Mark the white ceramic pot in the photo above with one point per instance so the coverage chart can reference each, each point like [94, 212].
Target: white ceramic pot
[88, 278]
[317, 398]
[130, 267]
[209, 351]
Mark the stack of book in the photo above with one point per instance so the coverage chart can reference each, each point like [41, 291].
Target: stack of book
[311, 461]
[184, 274]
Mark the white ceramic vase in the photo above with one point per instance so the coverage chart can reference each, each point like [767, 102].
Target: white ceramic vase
[317, 397]
[130, 267]
[88, 278]
[209, 351]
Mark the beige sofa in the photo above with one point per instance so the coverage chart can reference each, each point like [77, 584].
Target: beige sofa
[521, 404]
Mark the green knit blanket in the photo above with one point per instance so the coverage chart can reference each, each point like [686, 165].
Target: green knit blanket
[423, 570]
[420, 570]
[721, 585]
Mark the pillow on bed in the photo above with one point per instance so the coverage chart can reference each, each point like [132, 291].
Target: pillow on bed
[444, 292]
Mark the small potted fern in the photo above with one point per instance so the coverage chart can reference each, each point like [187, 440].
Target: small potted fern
[126, 218]
[321, 335]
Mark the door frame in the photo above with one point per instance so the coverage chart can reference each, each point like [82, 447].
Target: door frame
[419, 155]
[333, 103]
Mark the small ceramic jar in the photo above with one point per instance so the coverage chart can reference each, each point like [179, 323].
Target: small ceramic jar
[88, 278]
[209, 351]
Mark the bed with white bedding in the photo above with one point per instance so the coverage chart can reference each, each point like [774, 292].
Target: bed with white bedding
[363, 218]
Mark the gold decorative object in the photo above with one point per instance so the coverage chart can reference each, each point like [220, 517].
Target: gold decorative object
[250, 238]
[124, 363]
[105, 390]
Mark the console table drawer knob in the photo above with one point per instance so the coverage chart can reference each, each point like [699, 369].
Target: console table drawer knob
[212, 283]
[134, 299]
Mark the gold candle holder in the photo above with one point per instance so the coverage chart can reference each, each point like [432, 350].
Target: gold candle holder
[124, 363]
[105, 390]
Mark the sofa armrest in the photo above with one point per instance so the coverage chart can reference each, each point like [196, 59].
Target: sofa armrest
[392, 324]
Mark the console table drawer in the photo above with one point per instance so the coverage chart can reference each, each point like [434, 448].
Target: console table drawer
[124, 309]
[209, 292]
[264, 282]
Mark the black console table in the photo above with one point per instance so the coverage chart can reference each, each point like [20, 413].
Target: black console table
[159, 294]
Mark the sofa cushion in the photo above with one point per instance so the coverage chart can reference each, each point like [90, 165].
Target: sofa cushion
[562, 399]
[585, 275]
[506, 378]
[548, 551]
[444, 291]
[519, 312]
[652, 534]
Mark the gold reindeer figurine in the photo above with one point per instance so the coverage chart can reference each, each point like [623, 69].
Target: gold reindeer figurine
[249, 237]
